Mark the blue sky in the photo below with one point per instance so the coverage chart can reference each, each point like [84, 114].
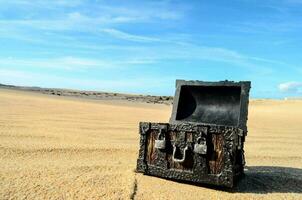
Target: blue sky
[143, 46]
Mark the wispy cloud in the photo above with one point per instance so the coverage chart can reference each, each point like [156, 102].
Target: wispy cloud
[42, 3]
[63, 63]
[71, 63]
[147, 11]
[164, 48]
[90, 38]
[291, 87]
[256, 27]
[195, 53]
[77, 18]
[72, 21]
[269, 17]
[126, 36]
[179, 50]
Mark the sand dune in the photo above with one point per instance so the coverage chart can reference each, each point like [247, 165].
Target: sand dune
[57, 148]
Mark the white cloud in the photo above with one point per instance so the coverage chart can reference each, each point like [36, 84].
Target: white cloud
[126, 36]
[73, 21]
[42, 3]
[64, 63]
[180, 49]
[56, 18]
[293, 87]
[72, 63]
[104, 20]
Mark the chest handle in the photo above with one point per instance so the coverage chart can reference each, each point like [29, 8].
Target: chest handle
[181, 160]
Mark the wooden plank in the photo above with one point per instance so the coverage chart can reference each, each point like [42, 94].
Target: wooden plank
[215, 154]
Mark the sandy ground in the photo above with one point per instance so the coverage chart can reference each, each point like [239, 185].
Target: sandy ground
[57, 148]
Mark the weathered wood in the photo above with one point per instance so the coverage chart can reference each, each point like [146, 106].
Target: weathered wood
[216, 154]
[220, 166]
[203, 143]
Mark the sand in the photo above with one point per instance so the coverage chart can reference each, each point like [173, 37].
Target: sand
[59, 148]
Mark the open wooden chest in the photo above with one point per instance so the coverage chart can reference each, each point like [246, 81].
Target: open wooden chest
[204, 140]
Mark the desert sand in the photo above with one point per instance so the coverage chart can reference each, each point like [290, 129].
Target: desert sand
[63, 148]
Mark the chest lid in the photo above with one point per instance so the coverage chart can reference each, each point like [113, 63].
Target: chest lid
[219, 103]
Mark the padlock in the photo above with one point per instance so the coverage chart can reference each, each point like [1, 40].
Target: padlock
[201, 146]
[160, 143]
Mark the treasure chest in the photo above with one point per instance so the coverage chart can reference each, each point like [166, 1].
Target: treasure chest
[203, 142]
